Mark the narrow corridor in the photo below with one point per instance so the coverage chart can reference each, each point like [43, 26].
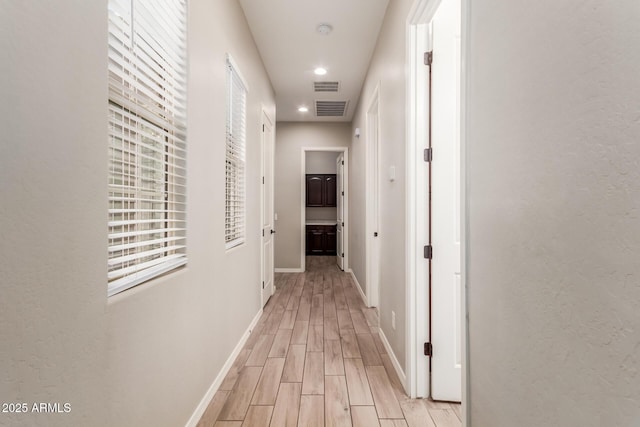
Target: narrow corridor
[315, 359]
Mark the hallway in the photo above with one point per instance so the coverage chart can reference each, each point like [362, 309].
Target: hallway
[317, 346]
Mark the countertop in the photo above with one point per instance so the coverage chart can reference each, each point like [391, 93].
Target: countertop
[321, 222]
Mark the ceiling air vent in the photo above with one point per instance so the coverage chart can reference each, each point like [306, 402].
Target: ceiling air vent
[331, 108]
[326, 86]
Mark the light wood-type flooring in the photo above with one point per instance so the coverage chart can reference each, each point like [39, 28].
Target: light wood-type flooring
[315, 359]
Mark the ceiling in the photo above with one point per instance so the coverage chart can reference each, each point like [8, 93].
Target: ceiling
[291, 48]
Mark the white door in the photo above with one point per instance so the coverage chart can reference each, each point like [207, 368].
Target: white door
[340, 211]
[267, 208]
[446, 286]
[373, 201]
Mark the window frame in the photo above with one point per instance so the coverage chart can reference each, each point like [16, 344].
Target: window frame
[147, 141]
[239, 191]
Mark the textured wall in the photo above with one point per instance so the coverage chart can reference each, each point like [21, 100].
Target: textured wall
[53, 210]
[388, 71]
[148, 355]
[554, 196]
[291, 137]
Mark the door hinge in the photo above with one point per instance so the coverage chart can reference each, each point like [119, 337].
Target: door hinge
[262, 128]
[428, 154]
[343, 162]
[263, 284]
[343, 224]
[375, 234]
[263, 179]
[342, 255]
[262, 233]
[428, 252]
[428, 58]
[428, 349]
[343, 193]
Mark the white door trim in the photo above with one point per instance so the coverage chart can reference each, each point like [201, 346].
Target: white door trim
[464, 212]
[372, 200]
[345, 230]
[417, 271]
[420, 14]
[340, 193]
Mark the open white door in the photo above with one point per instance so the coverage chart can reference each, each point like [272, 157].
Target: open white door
[446, 362]
[267, 208]
[340, 211]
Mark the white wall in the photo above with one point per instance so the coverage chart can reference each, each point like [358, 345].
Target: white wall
[291, 137]
[148, 355]
[387, 70]
[53, 210]
[554, 196]
[321, 162]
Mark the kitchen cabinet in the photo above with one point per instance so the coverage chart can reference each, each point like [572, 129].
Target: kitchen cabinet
[321, 240]
[321, 190]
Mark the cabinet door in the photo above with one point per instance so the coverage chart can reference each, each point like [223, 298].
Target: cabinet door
[309, 241]
[314, 190]
[317, 242]
[330, 240]
[330, 190]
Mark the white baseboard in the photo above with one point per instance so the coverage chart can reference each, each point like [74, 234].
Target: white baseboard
[383, 338]
[289, 270]
[362, 295]
[394, 359]
[202, 406]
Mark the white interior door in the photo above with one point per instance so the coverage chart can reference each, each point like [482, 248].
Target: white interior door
[373, 201]
[267, 208]
[340, 210]
[446, 286]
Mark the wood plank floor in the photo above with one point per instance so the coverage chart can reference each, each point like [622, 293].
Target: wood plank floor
[315, 359]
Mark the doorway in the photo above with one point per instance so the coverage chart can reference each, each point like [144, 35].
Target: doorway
[339, 210]
[436, 202]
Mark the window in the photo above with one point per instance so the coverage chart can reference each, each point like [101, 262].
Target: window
[147, 140]
[235, 217]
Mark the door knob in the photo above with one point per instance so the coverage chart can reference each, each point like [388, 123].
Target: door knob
[273, 231]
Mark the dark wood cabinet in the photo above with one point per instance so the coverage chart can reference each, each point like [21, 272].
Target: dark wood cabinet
[330, 240]
[321, 190]
[315, 191]
[330, 189]
[321, 240]
[315, 241]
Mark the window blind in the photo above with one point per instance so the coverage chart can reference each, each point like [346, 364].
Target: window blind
[235, 215]
[147, 140]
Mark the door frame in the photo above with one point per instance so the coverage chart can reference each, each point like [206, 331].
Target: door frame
[340, 194]
[417, 38]
[265, 115]
[372, 200]
[345, 229]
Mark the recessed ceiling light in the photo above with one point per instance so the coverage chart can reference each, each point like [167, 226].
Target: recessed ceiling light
[320, 71]
[303, 109]
[324, 29]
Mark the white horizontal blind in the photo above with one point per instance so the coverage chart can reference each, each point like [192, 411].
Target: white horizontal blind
[147, 140]
[235, 217]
